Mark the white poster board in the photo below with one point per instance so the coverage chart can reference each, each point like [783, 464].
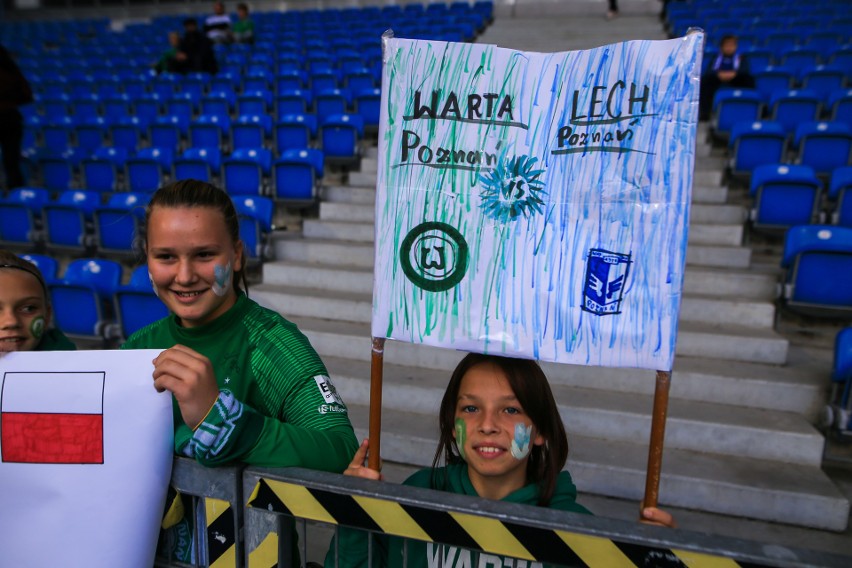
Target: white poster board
[86, 449]
[536, 205]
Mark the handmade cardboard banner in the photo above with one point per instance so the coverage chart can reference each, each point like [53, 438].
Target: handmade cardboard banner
[536, 205]
[86, 448]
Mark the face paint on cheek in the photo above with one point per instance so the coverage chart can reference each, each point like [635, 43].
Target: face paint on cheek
[461, 436]
[37, 327]
[223, 279]
[153, 286]
[521, 442]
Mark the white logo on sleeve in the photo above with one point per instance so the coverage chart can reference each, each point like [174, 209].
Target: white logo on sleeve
[327, 390]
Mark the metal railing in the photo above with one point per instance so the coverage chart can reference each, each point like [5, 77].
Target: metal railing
[275, 513]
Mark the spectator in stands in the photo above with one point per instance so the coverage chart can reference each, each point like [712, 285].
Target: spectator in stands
[244, 27]
[14, 92]
[612, 12]
[728, 69]
[25, 313]
[195, 52]
[247, 384]
[500, 437]
[217, 26]
[168, 61]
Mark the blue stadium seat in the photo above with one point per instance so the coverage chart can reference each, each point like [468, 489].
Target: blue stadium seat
[294, 131]
[209, 131]
[90, 132]
[752, 144]
[824, 145]
[165, 85]
[731, 106]
[78, 299]
[818, 263]
[244, 171]
[147, 170]
[330, 102]
[773, 78]
[340, 137]
[255, 214]
[838, 413]
[184, 105]
[203, 164]
[136, 307]
[258, 79]
[825, 79]
[147, 107]
[251, 131]
[85, 106]
[296, 176]
[784, 196]
[58, 132]
[368, 104]
[66, 221]
[799, 59]
[840, 105]
[118, 223]
[168, 131]
[222, 103]
[255, 102]
[792, 108]
[55, 106]
[47, 265]
[57, 171]
[104, 169]
[21, 217]
[128, 133]
[289, 80]
[295, 101]
[840, 194]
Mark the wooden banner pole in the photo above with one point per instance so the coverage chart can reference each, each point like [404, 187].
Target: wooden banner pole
[377, 358]
[658, 434]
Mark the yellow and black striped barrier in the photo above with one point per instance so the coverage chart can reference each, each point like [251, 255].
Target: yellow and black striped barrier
[506, 529]
[221, 540]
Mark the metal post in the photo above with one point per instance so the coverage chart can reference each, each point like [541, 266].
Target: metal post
[376, 370]
[658, 434]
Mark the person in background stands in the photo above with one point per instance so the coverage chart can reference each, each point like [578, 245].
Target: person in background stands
[244, 27]
[728, 69]
[195, 52]
[168, 61]
[217, 26]
[14, 92]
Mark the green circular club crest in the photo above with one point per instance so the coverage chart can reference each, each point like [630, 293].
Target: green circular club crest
[434, 256]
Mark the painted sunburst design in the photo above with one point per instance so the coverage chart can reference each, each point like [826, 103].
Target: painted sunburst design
[512, 189]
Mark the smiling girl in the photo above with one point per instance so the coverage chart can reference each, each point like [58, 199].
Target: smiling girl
[25, 312]
[247, 384]
[501, 437]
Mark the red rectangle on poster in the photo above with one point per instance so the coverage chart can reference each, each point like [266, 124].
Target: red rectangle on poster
[35, 437]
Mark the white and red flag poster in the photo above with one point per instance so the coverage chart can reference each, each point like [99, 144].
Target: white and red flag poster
[86, 449]
[52, 417]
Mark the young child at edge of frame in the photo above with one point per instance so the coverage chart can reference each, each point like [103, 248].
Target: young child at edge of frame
[247, 385]
[500, 437]
[25, 311]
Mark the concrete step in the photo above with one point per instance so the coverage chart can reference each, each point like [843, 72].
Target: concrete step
[361, 253]
[717, 214]
[709, 194]
[691, 425]
[362, 179]
[715, 282]
[707, 176]
[334, 225]
[726, 282]
[356, 306]
[348, 194]
[759, 489]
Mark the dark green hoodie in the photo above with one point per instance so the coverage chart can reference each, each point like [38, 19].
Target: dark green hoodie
[387, 551]
[55, 340]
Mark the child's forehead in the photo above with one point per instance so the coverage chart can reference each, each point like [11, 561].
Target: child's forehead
[19, 283]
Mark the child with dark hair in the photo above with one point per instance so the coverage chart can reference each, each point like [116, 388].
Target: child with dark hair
[25, 312]
[243, 30]
[501, 437]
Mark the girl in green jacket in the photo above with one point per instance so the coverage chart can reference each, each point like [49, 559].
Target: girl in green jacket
[25, 312]
[501, 437]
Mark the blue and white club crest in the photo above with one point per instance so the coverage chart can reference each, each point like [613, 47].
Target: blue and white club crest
[606, 277]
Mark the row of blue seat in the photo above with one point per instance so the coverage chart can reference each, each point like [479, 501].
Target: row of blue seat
[786, 195]
[80, 223]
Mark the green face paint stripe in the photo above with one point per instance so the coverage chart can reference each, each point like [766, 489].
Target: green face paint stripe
[37, 327]
[521, 442]
[461, 436]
